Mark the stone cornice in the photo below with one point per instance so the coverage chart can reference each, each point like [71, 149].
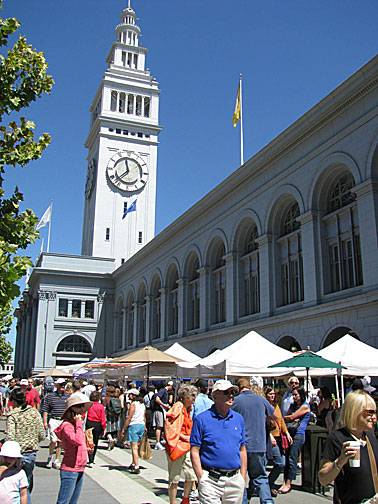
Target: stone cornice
[365, 187]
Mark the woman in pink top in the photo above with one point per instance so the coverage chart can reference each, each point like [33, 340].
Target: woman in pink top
[96, 420]
[70, 433]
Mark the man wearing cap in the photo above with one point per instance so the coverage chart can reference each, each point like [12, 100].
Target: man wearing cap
[52, 409]
[203, 401]
[218, 450]
[255, 409]
[31, 394]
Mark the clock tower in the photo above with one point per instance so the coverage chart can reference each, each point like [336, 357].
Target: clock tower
[120, 190]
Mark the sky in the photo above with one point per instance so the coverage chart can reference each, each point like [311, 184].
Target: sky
[291, 53]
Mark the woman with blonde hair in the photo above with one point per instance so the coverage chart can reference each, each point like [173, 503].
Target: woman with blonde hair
[357, 481]
[177, 428]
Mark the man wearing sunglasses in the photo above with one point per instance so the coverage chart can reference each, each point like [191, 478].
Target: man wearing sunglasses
[218, 450]
[287, 399]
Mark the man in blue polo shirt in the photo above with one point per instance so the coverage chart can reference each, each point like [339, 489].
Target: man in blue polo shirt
[255, 409]
[218, 451]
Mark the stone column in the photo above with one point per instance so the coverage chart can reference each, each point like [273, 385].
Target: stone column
[147, 338]
[266, 273]
[181, 326]
[136, 322]
[123, 328]
[367, 204]
[308, 222]
[203, 273]
[163, 317]
[230, 288]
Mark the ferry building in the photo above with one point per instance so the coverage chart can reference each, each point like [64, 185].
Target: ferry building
[286, 245]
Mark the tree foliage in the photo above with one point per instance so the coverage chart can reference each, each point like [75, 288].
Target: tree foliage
[23, 78]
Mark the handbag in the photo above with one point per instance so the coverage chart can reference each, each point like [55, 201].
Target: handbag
[293, 426]
[89, 440]
[144, 449]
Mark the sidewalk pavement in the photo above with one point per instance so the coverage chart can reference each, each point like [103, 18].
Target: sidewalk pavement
[109, 482]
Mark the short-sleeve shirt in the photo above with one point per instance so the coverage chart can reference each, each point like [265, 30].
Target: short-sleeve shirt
[353, 484]
[11, 484]
[54, 404]
[202, 403]
[163, 395]
[218, 438]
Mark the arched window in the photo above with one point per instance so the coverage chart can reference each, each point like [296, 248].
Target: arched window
[249, 281]
[138, 105]
[142, 314]
[155, 308]
[290, 257]
[289, 343]
[130, 104]
[119, 326]
[74, 344]
[193, 294]
[121, 102]
[342, 236]
[130, 321]
[113, 101]
[338, 333]
[218, 283]
[147, 102]
[172, 308]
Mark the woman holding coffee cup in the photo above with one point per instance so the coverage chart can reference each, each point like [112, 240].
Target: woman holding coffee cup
[350, 457]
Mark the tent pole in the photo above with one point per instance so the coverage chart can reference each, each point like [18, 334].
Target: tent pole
[148, 374]
[342, 386]
[307, 374]
[337, 391]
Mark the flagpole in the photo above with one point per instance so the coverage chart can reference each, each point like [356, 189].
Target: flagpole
[241, 123]
[48, 236]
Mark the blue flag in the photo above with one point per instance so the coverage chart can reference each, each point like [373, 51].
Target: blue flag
[132, 208]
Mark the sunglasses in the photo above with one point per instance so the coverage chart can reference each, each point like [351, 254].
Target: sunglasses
[228, 393]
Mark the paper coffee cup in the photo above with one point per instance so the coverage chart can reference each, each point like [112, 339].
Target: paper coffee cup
[355, 461]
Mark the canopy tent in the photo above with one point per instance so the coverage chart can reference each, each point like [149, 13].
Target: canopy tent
[177, 350]
[249, 355]
[359, 358]
[54, 373]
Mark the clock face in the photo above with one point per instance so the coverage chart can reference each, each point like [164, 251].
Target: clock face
[127, 171]
[90, 178]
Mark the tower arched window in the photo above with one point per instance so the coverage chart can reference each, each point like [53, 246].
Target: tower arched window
[74, 344]
[130, 321]
[193, 294]
[342, 236]
[130, 104]
[155, 309]
[289, 249]
[121, 102]
[218, 284]
[249, 267]
[142, 315]
[113, 101]
[146, 109]
[138, 105]
[172, 287]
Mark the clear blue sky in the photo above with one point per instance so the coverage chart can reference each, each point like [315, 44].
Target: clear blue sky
[291, 53]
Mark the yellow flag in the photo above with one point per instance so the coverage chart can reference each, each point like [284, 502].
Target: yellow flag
[236, 115]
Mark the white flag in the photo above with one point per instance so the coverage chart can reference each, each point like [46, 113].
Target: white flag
[45, 219]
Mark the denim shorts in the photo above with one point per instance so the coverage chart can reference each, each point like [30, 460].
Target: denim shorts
[135, 433]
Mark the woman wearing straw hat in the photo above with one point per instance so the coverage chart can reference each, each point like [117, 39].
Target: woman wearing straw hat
[75, 458]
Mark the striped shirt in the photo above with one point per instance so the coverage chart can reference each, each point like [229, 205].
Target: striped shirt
[54, 404]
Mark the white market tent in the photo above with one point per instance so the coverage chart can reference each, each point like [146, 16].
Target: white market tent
[180, 352]
[250, 355]
[357, 357]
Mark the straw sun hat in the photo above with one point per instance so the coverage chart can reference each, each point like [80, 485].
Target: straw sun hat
[77, 399]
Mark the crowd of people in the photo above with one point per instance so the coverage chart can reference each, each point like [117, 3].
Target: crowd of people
[228, 442]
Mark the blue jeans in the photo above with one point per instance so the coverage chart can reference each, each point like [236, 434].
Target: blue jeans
[70, 487]
[278, 460]
[258, 479]
[292, 455]
[28, 463]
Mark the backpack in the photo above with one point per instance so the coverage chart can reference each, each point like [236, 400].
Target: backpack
[153, 405]
[115, 407]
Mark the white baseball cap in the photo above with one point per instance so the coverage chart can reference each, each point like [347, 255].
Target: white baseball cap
[60, 381]
[133, 391]
[11, 449]
[24, 381]
[224, 385]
